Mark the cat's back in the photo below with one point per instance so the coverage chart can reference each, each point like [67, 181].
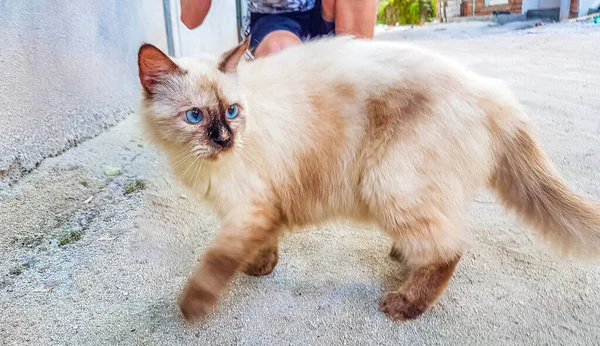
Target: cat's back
[354, 88]
[371, 63]
[334, 112]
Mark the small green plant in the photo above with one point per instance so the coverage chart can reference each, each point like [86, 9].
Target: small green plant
[18, 269]
[67, 236]
[135, 186]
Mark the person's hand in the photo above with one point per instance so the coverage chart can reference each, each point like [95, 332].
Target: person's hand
[193, 12]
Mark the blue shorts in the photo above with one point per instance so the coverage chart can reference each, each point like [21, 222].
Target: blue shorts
[304, 25]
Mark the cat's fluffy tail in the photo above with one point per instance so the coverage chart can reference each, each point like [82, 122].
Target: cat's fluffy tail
[527, 182]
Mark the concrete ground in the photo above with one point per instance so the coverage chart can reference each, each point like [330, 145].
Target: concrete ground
[83, 263]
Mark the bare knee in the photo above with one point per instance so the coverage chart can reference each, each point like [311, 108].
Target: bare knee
[275, 42]
[355, 17]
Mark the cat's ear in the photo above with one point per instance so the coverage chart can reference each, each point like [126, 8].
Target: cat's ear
[231, 58]
[154, 66]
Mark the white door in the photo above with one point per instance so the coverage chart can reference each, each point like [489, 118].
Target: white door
[218, 33]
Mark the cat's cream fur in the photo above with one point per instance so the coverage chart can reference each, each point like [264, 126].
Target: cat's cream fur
[378, 132]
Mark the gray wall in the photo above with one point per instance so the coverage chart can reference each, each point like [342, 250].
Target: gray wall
[67, 72]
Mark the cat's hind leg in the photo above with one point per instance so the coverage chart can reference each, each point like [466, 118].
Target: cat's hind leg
[423, 287]
[431, 247]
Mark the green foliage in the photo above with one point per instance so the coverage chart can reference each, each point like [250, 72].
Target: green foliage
[135, 186]
[406, 11]
[414, 13]
[69, 235]
[18, 269]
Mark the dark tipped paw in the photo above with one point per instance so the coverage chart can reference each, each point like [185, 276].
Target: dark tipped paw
[264, 263]
[196, 302]
[398, 307]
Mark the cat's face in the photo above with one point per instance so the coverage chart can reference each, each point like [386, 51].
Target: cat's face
[193, 104]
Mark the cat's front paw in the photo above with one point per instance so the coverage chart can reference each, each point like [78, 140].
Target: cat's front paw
[196, 301]
[397, 306]
[264, 263]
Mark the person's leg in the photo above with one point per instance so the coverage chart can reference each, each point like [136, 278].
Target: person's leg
[270, 33]
[351, 17]
[276, 41]
[328, 10]
[324, 18]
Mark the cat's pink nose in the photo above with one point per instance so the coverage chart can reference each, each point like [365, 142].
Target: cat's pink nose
[220, 135]
[222, 142]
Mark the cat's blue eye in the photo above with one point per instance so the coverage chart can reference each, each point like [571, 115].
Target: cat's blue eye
[193, 116]
[232, 112]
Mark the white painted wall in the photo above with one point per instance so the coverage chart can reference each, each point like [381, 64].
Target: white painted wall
[217, 34]
[529, 5]
[585, 5]
[546, 4]
[68, 70]
[453, 9]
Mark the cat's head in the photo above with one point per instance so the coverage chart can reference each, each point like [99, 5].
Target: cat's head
[192, 105]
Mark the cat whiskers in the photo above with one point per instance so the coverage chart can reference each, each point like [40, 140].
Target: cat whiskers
[242, 151]
[192, 163]
[181, 158]
[198, 164]
[198, 168]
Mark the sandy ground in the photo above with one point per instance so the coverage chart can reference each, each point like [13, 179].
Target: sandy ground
[124, 257]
